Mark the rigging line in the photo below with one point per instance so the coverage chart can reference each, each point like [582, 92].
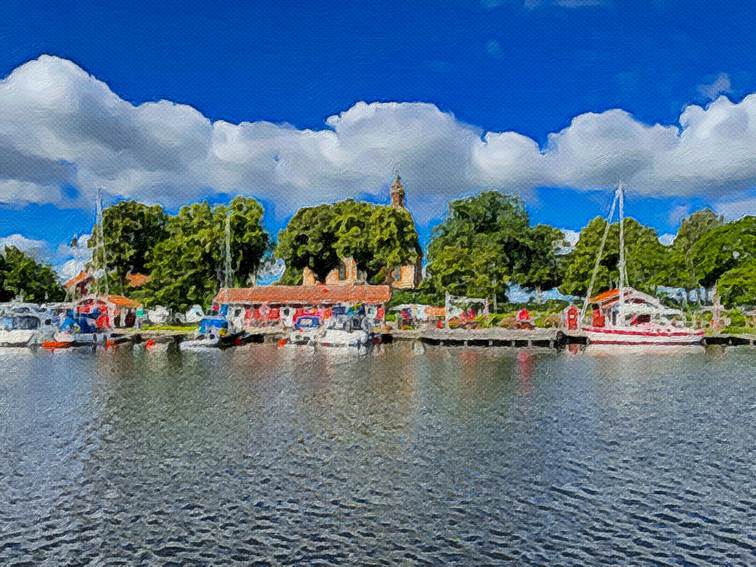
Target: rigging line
[598, 257]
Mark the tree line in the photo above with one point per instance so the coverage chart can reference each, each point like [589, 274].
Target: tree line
[485, 244]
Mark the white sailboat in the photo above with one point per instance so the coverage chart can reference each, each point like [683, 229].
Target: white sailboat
[625, 316]
[217, 331]
[79, 330]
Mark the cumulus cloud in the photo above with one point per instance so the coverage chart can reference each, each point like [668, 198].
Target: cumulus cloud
[734, 210]
[720, 85]
[35, 248]
[61, 127]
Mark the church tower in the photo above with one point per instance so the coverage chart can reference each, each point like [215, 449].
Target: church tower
[397, 193]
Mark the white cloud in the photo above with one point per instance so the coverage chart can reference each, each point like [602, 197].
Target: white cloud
[720, 85]
[35, 248]
[59, 126]
[571, 237]
[69, 261]
[733, 210]
[667, 239]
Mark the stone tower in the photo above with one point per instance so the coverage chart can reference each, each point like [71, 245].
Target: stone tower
[397, 193]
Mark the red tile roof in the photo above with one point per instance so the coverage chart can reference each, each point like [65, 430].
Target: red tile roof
[605, 296]
[79, 278]
[124, 302]
[137, 280]
[306, 295]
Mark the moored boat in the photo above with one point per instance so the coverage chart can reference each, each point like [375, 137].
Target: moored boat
[626, 316]
[24, 329]
[345, 331]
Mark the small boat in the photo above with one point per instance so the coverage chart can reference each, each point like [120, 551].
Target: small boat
[345, 331]
[625, 316]
[77, 330]
[25, 329]
[306, 329]
[213, 332]
[158, 316]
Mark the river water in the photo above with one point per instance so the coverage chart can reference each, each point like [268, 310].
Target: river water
[454, 455]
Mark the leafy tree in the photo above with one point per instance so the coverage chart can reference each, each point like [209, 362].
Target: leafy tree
[378, 237]
[309, 241]
[738, 285]
[131, 231]
[22, 276]
[682, 272]
[645, 258]
[188, 266]
[545, 263]
[722, 249]
[480, 247]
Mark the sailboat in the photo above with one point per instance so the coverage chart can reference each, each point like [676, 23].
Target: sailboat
[88, 323]
[626, 316]
[217, 331]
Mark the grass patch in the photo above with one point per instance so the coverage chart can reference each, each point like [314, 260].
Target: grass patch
[175, 328]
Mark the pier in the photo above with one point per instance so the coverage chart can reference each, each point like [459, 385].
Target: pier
[494, 337]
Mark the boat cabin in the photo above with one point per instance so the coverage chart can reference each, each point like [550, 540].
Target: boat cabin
[638, 308]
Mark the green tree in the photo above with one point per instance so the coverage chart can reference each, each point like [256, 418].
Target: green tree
[738, 285]
[378, 237]
[22, 276]
[722, 249]
[309, 241]
[480, 247]
[645, 258]
[544, 267]
[187, 267]
[682, 272]
[131, 232]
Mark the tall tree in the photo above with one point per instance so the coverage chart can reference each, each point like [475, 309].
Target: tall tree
[545, 260]
[738, 285]
[645, 258]
[378, 237]
[309, 241]
[131, 231]
[187, 267]
[480, 247]
[682, 272]
[22, 276]
[723, 248]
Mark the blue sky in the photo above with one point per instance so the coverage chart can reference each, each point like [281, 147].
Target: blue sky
[524, 69]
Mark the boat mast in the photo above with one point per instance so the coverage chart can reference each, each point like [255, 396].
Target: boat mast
[622, 272]
[598, 258]
[227, 272]
[100, 258]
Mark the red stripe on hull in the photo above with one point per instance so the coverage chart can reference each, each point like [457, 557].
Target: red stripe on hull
[644, 343]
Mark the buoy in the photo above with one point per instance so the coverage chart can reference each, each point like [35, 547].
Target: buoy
[281, 343]
[149, 344]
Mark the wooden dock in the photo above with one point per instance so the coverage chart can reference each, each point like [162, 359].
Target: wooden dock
[483, 337]
[493, 337]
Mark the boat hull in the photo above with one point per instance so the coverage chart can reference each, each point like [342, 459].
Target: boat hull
[642, 337]
[18, 338]
[338, 338]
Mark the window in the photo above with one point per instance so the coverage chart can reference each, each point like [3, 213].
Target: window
[342, 271]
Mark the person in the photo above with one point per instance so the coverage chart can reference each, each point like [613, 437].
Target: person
[597, 319]
[139, 317]
[523, 319]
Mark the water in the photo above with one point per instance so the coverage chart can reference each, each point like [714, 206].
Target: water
[467, 456]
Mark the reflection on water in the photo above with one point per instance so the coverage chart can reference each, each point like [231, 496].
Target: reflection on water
[449, 455]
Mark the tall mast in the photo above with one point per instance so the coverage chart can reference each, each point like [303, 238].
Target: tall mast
[598, 257]
[100, 259]
[227, 266]
[622, 273]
